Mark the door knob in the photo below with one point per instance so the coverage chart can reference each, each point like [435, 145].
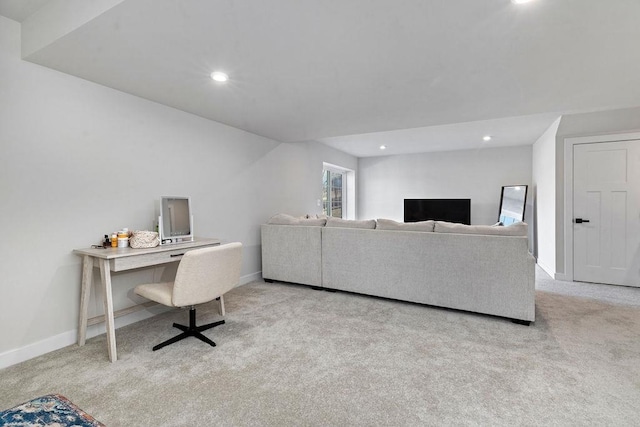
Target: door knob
[580, 220]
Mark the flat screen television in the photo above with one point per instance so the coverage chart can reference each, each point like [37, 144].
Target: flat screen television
[452, 210]
[176, 220]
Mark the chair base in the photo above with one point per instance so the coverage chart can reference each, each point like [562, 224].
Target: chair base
[191, 331]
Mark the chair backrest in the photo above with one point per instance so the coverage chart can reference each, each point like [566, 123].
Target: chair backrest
[205, 274]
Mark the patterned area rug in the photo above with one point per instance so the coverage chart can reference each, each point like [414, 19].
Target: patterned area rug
[47, 411]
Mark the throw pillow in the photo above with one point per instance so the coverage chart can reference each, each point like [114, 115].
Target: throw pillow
[389, 224]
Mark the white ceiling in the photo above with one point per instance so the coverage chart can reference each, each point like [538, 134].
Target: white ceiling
[440, 73]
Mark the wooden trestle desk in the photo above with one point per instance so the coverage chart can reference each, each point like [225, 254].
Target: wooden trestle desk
[122, 259]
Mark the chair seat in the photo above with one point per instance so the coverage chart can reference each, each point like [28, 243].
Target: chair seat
[203, 275]
[159, 292]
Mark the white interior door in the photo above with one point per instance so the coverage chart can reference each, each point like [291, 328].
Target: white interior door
[606, 209]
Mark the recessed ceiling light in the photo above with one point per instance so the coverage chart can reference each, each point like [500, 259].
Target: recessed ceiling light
[486, 138]
[520, 1]
[383, 147]
[219, 76]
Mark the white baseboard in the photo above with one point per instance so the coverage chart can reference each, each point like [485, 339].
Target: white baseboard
[250, 278]
[36, 349]
[68, 338]
[547, 269]
[556, 276]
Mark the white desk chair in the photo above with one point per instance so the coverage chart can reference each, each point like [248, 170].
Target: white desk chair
[203, 275]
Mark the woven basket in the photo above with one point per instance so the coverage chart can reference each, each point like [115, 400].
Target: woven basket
[144, 239]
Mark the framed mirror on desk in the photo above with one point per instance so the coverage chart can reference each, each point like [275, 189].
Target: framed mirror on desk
[175, 223]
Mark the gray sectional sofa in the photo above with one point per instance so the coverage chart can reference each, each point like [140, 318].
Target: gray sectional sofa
[482, 269]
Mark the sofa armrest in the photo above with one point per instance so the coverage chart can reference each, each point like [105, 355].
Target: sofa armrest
[292, 253]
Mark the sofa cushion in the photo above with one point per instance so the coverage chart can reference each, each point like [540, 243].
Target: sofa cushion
[350, 223]
[389, 224]
[516, 229]
[284, 219]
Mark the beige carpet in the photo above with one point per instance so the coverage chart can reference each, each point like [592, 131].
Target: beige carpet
[289, 355]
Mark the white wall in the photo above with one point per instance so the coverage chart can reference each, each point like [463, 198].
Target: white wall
[384, 182]
[575, 125]
[81, 160]
[544, 198]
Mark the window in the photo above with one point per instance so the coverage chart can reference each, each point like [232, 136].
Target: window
[338, 198]
[333, 193]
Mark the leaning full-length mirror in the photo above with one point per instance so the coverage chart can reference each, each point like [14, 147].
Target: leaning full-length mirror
[512, 203]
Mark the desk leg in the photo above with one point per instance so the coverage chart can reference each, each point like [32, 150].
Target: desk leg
[105, 272]
[221, 305]
[85, 292]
